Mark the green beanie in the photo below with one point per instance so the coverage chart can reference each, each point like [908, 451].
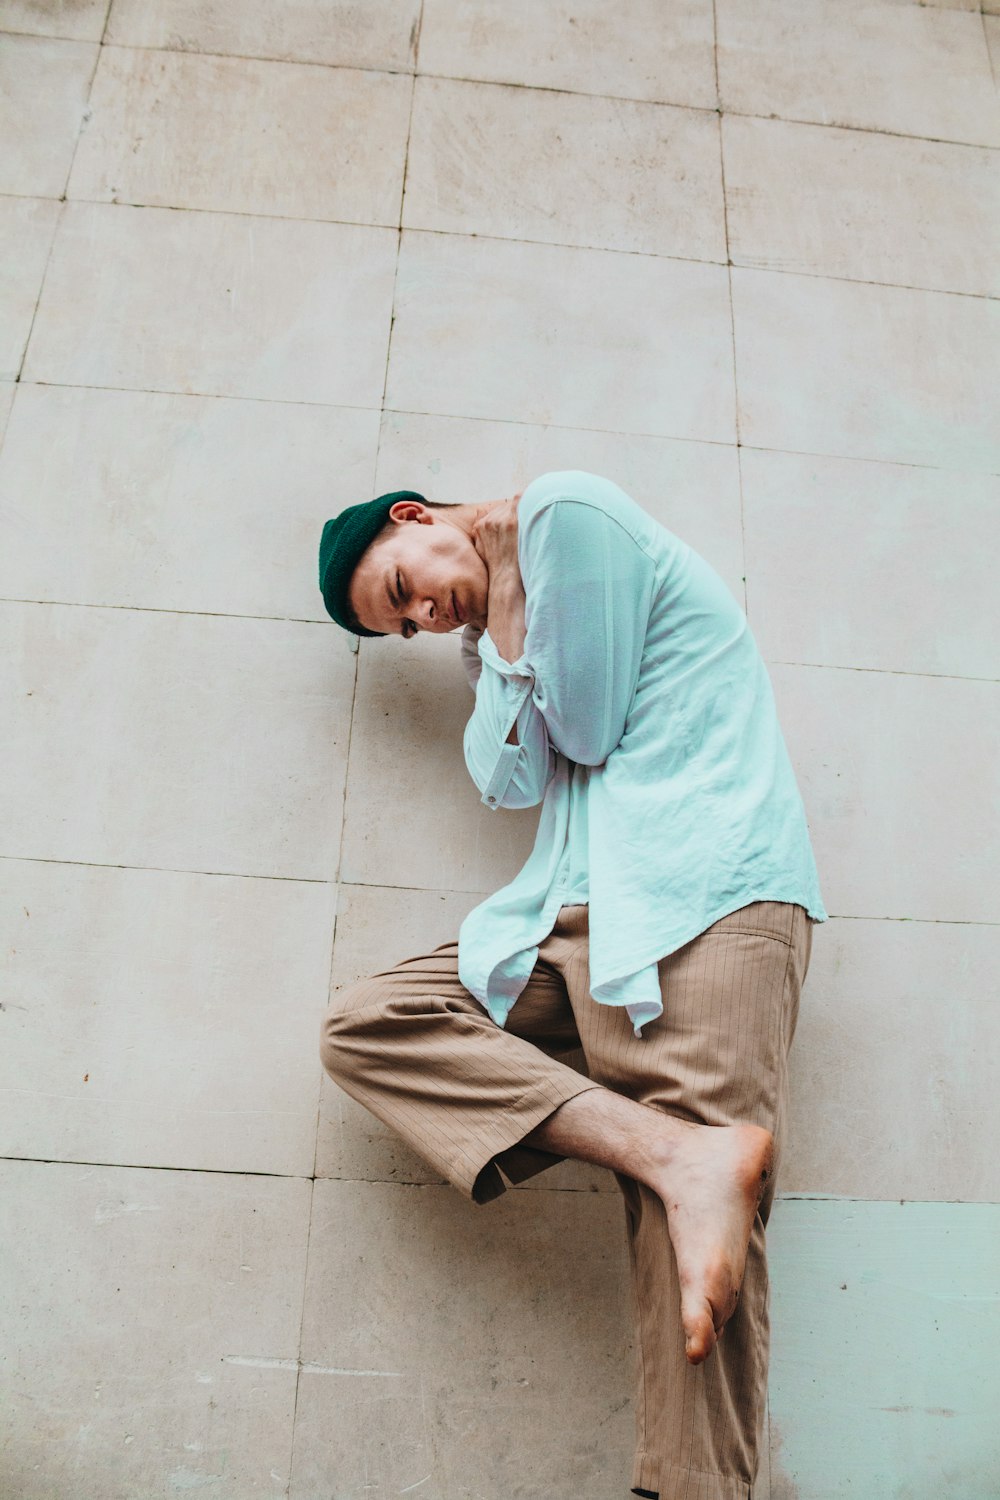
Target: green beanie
[344, 539]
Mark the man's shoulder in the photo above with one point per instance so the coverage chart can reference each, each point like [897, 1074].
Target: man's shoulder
[577, 486]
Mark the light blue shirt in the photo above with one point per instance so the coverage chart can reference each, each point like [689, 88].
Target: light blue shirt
[647, 729]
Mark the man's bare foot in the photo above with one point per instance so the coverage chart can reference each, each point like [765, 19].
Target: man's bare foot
[710, 1178]
[711, 1183]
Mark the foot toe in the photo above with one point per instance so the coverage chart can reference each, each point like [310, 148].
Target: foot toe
[699, 1329]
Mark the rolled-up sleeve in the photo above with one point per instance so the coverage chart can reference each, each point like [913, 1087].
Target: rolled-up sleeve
[588, 599]
[514, 775]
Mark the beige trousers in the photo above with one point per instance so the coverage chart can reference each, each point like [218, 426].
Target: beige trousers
[416, 1049]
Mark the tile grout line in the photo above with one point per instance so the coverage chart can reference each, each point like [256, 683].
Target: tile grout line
[501, 83]
[140, 609]
[302, 1320]
[399, 229]
[989, 49]
[732, 310]
[86, 114]
[496, 239]
[794, 1195]
[366, 885]
[56, 224]
[442, 416]
[415, 42]
[97, 864]
[62, 200]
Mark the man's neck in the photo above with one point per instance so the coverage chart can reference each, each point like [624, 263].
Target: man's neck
[466, 516]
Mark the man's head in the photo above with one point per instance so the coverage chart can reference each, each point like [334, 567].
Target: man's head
[400, 564]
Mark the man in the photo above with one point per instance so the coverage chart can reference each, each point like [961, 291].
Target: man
[662, 922]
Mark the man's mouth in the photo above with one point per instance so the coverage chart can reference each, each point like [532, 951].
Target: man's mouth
[456, 613]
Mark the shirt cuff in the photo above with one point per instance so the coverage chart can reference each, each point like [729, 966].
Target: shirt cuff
[498, 783]
[489, 655]
[507, 691]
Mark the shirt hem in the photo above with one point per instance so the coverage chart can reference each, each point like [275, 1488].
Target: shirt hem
[814, 910]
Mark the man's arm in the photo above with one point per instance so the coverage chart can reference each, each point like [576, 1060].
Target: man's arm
[590, 586]
[507, 749]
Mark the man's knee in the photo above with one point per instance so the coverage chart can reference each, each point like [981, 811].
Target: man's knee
[342, 1027]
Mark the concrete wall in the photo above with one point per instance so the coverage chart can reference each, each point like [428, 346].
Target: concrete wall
[742, 259]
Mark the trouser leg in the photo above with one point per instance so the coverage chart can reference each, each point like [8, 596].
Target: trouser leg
[417, 1050]
[717, 1055]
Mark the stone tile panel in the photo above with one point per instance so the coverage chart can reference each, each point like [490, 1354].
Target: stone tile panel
[178, 742]
[460, 1334]
[839, 368]
[177, 502]
[216, 304]
[864, 206]
[508, 162]
[163, 1020]
[901, 1300]
[884, 566]
[573, 338]
[315, 142]
[166, 1357]
[896, 1026]
[896, 785]
[43, 94]
[377, 34]
[79, 20]
[640, 50]
[867, 64]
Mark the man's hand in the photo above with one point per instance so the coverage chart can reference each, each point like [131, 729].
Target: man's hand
[495, 539]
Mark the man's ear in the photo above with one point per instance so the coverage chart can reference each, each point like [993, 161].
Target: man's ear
[410, 510]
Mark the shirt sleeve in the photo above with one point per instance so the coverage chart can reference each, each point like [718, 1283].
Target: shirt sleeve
[470, 655]
[588, 587]
[515, 775]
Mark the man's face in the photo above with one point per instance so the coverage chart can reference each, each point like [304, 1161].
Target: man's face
[423, 573]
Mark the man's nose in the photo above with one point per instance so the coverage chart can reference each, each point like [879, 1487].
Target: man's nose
[428, 616]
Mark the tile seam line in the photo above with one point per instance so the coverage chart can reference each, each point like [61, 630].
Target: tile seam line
[732, 317]
[511, 422]
[57, 220]
[302, 1317]
[367, 885]
[55, 1161]
[983, 16]
[446, 416]
[110, 44]
[166, 609]
[399, 250]
[832, 666]
[535, 88]
[97, 864]
[146, 390]
[790, 1197]
[204, 614]
[504, 83]
[85, 116]
[61, 199]
[402, 229]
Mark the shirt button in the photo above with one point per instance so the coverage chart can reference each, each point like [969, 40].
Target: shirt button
[491, 799]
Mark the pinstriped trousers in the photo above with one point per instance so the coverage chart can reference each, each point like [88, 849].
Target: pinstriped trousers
[416, 1049]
